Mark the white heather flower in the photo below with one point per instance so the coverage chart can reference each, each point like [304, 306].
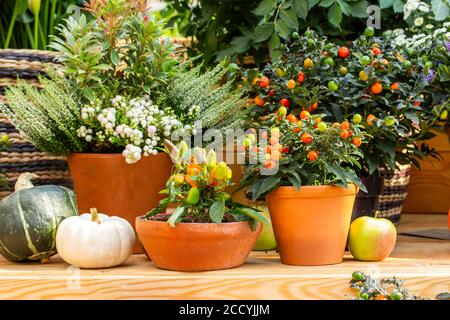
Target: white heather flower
[418, 21]
[88, 138]
[151, 130]
[398, 32]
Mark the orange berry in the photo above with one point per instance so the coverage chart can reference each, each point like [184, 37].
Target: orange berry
[268, 149]
[315, 105]
[356, 141]
[306, 138]
[318, 120]
[264, 82]
[345, 125]
[376, 88]
[259, 101]
[296, 129]
[256, 80]
[395, 86]
[292, 118]
[291, 84]
[344, 134]
[304, 114]
[371, 119]
[336, 125]
[313, 155]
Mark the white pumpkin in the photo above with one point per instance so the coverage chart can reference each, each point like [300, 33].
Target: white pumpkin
[94, 240]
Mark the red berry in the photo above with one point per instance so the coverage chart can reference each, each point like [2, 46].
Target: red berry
[301, 77]
[343, 52]
[285, 102]
[264, 82]
[376, 51]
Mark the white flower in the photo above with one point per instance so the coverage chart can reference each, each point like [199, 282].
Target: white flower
[398, 32]
[88, 138]
[418, 21]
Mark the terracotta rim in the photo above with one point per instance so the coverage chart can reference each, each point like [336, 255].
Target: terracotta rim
[313, 191]
[87, 155]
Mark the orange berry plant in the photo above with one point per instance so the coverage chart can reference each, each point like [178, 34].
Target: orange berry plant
[303, 154]
[196, 189]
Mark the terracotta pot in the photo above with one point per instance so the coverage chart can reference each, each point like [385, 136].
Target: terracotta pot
[197, 246]
[311, 225]
[108, 183]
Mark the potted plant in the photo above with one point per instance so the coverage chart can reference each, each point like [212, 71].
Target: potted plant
[365, 81]
[198, 227]
[306, 169]
[121, 90]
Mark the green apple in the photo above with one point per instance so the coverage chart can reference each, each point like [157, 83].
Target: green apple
[266, 240]
[371, 239]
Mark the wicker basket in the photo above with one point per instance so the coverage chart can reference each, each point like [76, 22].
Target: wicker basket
[394, 193]
[23, 156]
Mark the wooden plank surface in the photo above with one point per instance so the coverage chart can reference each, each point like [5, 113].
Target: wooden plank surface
[423, 263]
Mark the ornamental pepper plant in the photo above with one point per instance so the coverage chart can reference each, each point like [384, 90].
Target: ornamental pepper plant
[364, 80]
[196, 189]
[305, 150]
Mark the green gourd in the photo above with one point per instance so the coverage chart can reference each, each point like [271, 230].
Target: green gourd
[29, 218]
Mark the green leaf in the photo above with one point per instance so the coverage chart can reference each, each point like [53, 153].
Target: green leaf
[216, 211]
[398, 6]
[295, 181]
[359, 9]
[440, 9]
[265, 7]
[175, 216]
[301, 8]
[345, 7]
[386, 3]
[326, 3]
[312, 3]
[115, 58]
[335, 15]
[290, 17]
[268, 184]
[254, 214]
[282, 29]
[274, 47]
[263, 32]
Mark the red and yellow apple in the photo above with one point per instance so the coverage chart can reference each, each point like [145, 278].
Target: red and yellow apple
[371, 239]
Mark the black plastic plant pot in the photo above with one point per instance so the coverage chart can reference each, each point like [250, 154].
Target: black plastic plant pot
[367, 203]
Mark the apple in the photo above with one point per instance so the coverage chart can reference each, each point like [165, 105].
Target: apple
[266, 239]
[371, 239]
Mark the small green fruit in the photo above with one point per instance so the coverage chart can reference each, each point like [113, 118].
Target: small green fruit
[332, 85]
[364, 60]
[329, 61]
[389, 121]
[295, 35]
[444, 115]
[406, 64]
[357, 276]
[369, 32]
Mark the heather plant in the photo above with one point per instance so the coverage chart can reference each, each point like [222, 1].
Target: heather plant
[220, 105]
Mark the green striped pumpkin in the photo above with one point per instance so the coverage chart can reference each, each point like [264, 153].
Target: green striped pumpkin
[30, 217]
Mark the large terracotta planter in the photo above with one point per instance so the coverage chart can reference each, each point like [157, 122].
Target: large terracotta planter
[197, 246]
[311, 225]
[108, 183]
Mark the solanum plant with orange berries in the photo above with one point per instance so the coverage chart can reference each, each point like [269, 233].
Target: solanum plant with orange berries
[364, 81]
[196, 189]
[297, 149]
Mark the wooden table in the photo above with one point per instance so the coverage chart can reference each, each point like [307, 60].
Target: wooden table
[423, 263]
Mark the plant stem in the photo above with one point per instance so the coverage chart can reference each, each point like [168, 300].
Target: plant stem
[11, 26]
[44, 26]
[36, 31]
[94, 215]
[52, 17]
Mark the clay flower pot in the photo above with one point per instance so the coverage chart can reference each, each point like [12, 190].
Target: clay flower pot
[197, 246]
[108, 183]
[311, 225]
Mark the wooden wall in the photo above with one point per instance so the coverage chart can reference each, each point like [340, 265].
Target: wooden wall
[429, 188]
